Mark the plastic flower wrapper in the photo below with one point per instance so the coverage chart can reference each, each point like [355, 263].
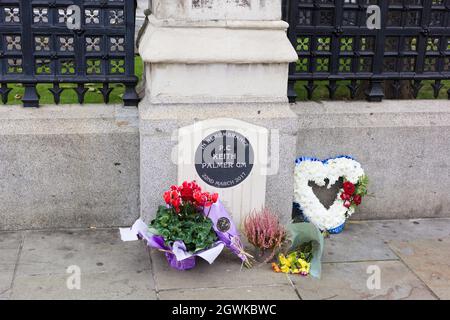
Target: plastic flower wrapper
[305, 253]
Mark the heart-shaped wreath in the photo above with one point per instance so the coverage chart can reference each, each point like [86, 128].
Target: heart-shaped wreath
[347, 199]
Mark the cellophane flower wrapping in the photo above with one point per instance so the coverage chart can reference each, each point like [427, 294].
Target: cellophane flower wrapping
[300, 233]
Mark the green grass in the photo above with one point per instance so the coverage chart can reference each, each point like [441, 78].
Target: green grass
[94, 96]
[343, 93]
[69, 96]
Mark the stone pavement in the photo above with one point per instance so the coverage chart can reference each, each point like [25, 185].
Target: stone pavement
[413, 257]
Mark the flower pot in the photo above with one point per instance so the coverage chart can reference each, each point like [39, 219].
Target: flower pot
[263, 256]
[185, 264]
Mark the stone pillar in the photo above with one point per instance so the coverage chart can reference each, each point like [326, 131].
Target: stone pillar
[209, 59]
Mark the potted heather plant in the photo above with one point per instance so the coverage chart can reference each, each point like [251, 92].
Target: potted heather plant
[265, 232]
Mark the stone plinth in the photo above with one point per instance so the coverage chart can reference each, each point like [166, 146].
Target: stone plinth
[210, 59]
[211, 51]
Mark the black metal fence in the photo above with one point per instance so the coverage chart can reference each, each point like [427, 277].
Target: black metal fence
[334, 43]
[37, 46]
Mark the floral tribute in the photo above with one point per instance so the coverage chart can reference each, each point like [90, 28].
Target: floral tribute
[305, 252]
[192, 224]
[327, 173]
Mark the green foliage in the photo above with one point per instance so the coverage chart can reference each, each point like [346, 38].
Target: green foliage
[321, 93]
[190, 226]
[69, 96]
[362, 185]
[305, 251]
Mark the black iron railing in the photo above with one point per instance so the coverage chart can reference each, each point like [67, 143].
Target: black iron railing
[334, 43]
[40, 42]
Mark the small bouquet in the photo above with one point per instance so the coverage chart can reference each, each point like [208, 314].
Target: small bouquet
[305, 253]
[193, 223]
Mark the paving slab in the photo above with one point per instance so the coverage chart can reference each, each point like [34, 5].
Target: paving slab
[225, 272]
[94, 251]
[112, 285]
[429, 260]
[352, 245]
[404, 230]
[9, 247]
[348, 281]
[6, 278]
[9, 251]
[4, 296]
[278, 292]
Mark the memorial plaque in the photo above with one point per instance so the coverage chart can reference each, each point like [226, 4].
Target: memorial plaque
[224, 159]
[227, 156]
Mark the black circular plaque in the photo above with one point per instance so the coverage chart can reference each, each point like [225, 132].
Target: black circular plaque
[224, 159]
[223, 224]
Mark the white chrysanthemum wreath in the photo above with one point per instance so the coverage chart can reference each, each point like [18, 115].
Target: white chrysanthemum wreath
[347, 199]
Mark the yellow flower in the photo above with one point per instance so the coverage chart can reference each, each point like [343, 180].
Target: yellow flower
[296, 271]
[285, 269]
[284, 261]
[304, 266]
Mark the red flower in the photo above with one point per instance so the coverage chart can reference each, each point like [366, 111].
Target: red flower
[172, 198]
[345, 196]
[187, 190]
[211, 199]
[349, 188]
[357, 199]
[347, 204]
[166, 197]
[205, 199]
[188, 193]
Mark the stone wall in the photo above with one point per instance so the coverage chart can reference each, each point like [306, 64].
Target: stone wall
[78, 166]
[68, 167]
[404, 147]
